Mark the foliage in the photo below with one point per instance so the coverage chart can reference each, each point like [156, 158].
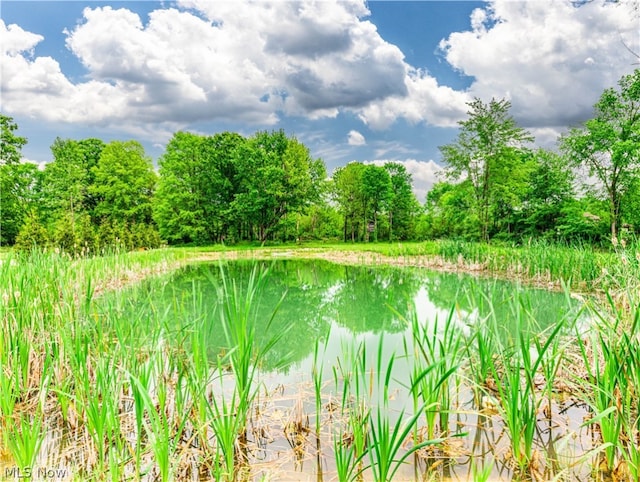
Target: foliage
[276, 177]
[225, 188]
[449, 211]
[32, 234]
[609, 144]
[196, 187]
[67, 180]
[486, 153]
[376, 190]
[347, 184]
[124, 183]
[548, 192]
[20, 184]
[11, 180]
[403, 205]
[10, 144]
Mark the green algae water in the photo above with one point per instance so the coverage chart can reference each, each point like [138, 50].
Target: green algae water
[349, 356]
[318, 299]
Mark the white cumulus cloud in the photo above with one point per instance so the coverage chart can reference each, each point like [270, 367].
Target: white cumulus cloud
[551, 58]
[226, 61]
[354, 138]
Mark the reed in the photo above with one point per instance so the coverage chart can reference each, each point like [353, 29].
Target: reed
[24, 438]
[435, 353]
[387, 450]
[144, 386]
[610, 354]
[351, 440]
[228, 422]
[513, 373]
[238, 311]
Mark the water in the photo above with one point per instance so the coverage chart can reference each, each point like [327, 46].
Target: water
[319, 301]
[347, 310]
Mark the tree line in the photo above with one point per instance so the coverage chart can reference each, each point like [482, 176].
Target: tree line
[227, 188]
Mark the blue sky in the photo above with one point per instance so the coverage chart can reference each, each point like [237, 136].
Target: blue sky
[367, 81]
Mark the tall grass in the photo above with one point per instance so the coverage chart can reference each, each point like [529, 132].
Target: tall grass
[141, 391]
[610, 351]
[436, 358]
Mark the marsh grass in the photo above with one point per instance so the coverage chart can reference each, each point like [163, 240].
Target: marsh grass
[520, 400]
[610, 354]
[435, 353]
[387, 451]
[24, 437]
[143, 397]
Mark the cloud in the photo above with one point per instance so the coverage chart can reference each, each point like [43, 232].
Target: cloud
[424, 174]
[255, 62]
[551, 58]
[223, 61]
[354, 138]
[15, 40]
[425, 101]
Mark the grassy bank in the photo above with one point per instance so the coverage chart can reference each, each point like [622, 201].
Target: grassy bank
[580, 268]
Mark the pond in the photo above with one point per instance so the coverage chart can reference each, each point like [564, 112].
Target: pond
[320, 301]
[376, 346]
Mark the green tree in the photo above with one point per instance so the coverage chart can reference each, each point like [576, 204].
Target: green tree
[276, 176]
[124, 183]
[196, 187]
[506, 203]
[220, 183]
[549, 189]
[448, 211]
[10, 144]
[484, 154]
[584, 220]
[68, 179]
[403, 206]
[348, 194]
[178, 202]
[20, 185]
[11, 213]
[377, 191]
[32, 234]
[320, 221]
[609, 144]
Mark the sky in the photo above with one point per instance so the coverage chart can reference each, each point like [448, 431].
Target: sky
[353, 80]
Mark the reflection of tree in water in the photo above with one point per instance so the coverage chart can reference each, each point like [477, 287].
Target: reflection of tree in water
[478, 298]
[319, 293]
[364, 295]
[191, 297]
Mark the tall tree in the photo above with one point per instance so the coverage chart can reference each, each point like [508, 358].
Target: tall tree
[276, 176]
[20, 185]
[549, 189]
[69, 177]
[10, 144]
[11, 209]
[483, 151]
[403, 205]
[609, 144]
[377, 190]
[219, 184]
[124, 183]
[348, 193]
[449, 212]
[196, 187]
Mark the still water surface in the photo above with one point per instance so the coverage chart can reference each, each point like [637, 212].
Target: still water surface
[341, 308]
[321, 301]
